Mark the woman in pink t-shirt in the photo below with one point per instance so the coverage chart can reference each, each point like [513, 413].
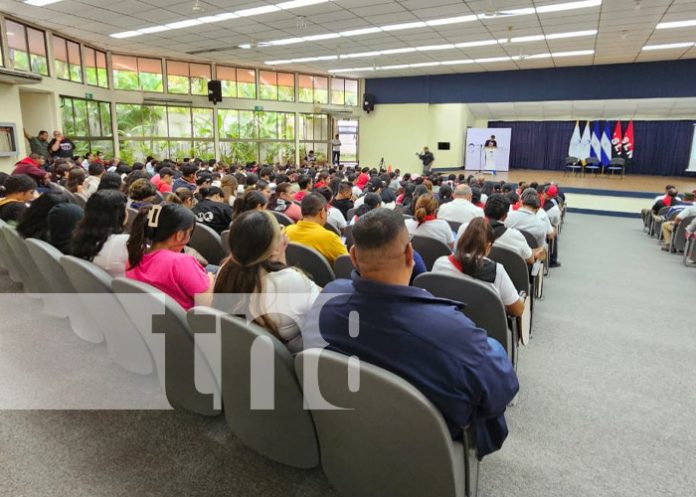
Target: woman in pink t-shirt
[158, 236]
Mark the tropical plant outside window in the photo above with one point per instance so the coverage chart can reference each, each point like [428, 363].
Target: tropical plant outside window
[27, 48]
[186, 78]
[237, 82]
[95, 67]
[88, 124]
[66, 59]
[248, 136]
[164, 131]
[137, 73]
[276, 86]
[313, 89]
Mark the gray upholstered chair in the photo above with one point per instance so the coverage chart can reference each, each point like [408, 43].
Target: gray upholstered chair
[311, 262]
[430, 249]
[9, 261]
[208, 243]
[343, 266]
[386, 438]
[282, 218]
[257, 368]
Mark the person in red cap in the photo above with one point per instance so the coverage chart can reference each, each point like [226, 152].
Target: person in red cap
[552, 207]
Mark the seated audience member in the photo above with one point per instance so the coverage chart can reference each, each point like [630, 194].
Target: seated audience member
[19, 189]
[110, 181]
[526, 219]
[188, 177]
[371, 201]
[426, 340]
[34, 221]
[99, 237]
[251, 200]
[281, 295]
[158, 237]
[212, 210]
[283, 201]
[75, 183]
[445, 194]
[496, 210]
[471, 259]
[182, 196]
[91, 184]
[363, 178]
[62, 220]
[343, 201]
[426, 222]
[310, 229]
[265, 188]
[460, 209]
[668, 227]
[132, 177]
[166, 180]
[31, 166]
[335, 218]
[671, 198]
[551, 205]
[304, 182]
[141, 193]
[229, 187]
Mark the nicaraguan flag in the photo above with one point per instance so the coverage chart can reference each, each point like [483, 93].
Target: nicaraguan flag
[606, 144]
[585, 143]
[575, 145]
[596, 144]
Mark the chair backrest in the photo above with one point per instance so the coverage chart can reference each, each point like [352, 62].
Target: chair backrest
[311, 262]
[350, 214]
[454, 225]
[430, 249]
[679, 236]
[9, 261]
[282, 218]
[617, 161]
[263, 400]
[531, 239]
[570, 160]
[129, 220]
[332, 228]
[208, 243]
[514, 265]
[388, 439]
[348, 235]
[159, 198]
[162, 324]
[47, 259]
[591, 161]
[32, 279]
[483, 305]
[225, 238]
[343, 266]
[85, 276]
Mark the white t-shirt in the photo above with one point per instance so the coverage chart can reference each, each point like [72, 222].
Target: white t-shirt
[336, 218]
[525, 220]
[113, 257]
[437, 229]
[514, 240]
[502, 285]
[459, 210]
[336, 145]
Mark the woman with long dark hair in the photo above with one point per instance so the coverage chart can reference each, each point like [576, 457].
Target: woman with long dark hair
[471, 259]
[282, 201]
[158, 237]
[34, 221]
[99, 238]
[251, 200]
[276, 296]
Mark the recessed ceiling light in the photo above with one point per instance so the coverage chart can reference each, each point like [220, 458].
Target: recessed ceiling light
[571, 34]
[406, 25]
[676, 24]
[667, 46]
[360, 32]
[40, 3]
[184, 24]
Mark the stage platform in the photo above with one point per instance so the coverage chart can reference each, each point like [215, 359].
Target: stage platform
[602, 195]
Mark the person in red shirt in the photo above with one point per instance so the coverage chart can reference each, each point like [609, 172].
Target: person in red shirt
[166, 178]
[323, 180]
[305, 184]
[31, 166]
[363, 178]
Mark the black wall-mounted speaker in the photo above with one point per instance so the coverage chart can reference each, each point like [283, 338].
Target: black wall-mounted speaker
[214, 91]
[368, 102]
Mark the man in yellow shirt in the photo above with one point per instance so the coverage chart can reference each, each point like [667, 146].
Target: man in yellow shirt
[310, 230]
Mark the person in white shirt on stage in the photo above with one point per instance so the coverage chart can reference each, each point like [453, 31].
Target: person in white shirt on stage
[460, 210]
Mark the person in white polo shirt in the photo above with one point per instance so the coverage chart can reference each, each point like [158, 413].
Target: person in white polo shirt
[526, 219]
[496, 210]
[460, 209]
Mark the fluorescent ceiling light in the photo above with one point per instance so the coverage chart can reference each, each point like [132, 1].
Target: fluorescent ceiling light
[456, 62]
[561, 7]
[480, 43]
[424, 64]
[360, 32]
[296, 4]
[430, 48]
[492, 59]
[394, 51]
[360, 54]
[286, 41]
[256, 11]
[40, 3]
[184, 24]
[525, 39]
[388, 68]
[571, 34]
[325, 36]
[245, 46]
[152, 29]
[537, 56]
[575, 53]
[676, 24]
[406, 25]
[451, 20]
[218, 18]
[667, 46]
[126, 34]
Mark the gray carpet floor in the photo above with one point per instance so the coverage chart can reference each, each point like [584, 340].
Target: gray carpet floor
[607, 406]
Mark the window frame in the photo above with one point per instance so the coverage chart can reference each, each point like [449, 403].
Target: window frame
[26, 27]
[55, 37]
[236, 81]
[190, 82]
[96, 51]
[138, 72]
[88, 138]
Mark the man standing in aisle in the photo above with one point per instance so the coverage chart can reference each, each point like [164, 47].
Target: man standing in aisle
[427, 158]
[38, 143]
[60, 146]
[336, 151]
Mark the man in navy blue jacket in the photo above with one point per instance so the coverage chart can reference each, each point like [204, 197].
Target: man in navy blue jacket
[426, 340]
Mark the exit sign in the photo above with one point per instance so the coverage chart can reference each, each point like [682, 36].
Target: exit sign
[89, 96]
[258, 108]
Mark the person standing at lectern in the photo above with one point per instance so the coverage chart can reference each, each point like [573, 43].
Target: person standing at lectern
[491, 142]
[427, 158]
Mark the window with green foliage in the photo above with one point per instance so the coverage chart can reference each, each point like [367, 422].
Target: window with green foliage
[344, 91]
[313, 89]
[237, 82]
[27, 48]
[314, 135]
[88, 124]
[137, 73]
[95, 67]
[66, 59]
[247, 136]
[186, 78]
[277, 86]
[164, 131]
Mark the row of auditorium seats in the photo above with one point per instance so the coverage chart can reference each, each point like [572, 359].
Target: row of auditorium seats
[680, 243]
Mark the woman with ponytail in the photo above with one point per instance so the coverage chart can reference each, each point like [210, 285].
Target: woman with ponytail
[276, 297]
[158, 237]
[251, 200]
[426, 223]
[471, 259]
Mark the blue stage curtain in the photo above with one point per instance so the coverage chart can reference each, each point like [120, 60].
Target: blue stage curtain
[660, 147]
